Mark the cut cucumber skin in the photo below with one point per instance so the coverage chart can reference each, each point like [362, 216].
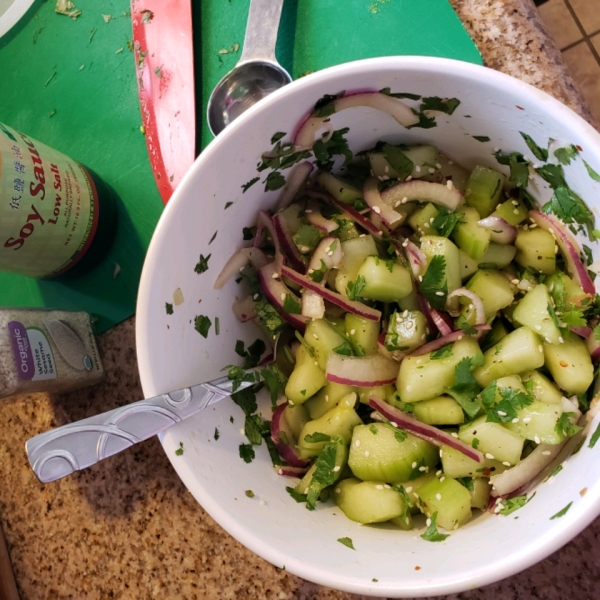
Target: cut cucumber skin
[327, 398]
[542, 388]
[387, 458]
[363, 333]
[443, 410]
[494, 440]
[368, 501]
[385, 281]
[456, 464]
[342, 191]
[306, 379]
[469, 237]
[296, 417]
[421, 220]
[570, 364]
[484, 189]
[449, 499]
[521, 350]
[432, 245]
[323, 338]
[495, 336]
[536, 250]
[494, 290]
[468, 266]
[421, 378]
[338, 421]
[480, 494]
[532, 311]
[406, 331]
[537, 422]
[355, 252]
[497, 256]
[512, 213]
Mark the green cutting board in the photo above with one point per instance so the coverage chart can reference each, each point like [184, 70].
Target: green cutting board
[71, 84]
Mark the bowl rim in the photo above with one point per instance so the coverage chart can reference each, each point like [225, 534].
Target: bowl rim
[558, 535]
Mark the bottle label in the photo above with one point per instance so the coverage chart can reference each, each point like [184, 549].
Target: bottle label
[32, 352]
[48, 207]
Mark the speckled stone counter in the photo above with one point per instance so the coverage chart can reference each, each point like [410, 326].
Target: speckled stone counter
[128, 528]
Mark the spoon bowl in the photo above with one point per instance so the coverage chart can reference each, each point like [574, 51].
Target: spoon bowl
[242, 88]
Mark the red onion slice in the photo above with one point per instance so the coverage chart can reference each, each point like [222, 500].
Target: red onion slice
[416, 258]
[238, 262]
[448, 339]
[363, 371]
[244, 309]
[423, 191]
[316, 219]
[329, 250]
[568, 246]
[593, 346]
[442, 321]
[475, 299]
[305, 137]
[287, 245]
[501, 231]
[583, 332]
[264, 221]
[355, 216]
[373, 198]
[356, 308]
[285, 446]
[293, 184]
[288, 471]
[426, 310]
[276, 291]
[429, 433]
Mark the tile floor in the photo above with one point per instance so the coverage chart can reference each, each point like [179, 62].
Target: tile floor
[575, 27]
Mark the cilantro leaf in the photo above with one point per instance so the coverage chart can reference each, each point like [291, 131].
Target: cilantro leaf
[505, 409]
[324, 474]
[275, 381]
[291, 305]
[408, 504]
[318, 274]
[442, 352]
[424, 122]
[247, 453]
[346, 541]
[564, 427]
[354, 288]
[246, 186]
[179, 451]
[217, 434]
[569, 207]
[297, 496]
[434, 286]
[481, 138]
[554, 175]
[345, 349]
[317, 436]
[268, 316]
[168, 308]
[253, 425]
[202, 264]
[246, 400]
[510, 505]
[466, 388]
[398, 161]
[307, 237]
[445, 221]
[253, 354]
[274, 181]
[248, 233]
[566, 154]
[431, 533]
[336, 145]
[539, 153]
[277, 136]
[593, 174]
[466, 482]
[445, 105]
[594, 437]
[562, 512]
[400, 95]
[519, 169]
[324, 106]
[202, 325]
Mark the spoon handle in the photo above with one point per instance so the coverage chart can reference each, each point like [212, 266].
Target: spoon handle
[261, 30]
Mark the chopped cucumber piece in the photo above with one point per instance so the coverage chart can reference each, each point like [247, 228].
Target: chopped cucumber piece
[494, 440]
[497, 333]
[442, 410]
[542, 388]
[456, 464]
[570, 364]
[381, 391]
[423, 378]
[497, 256]
[449, 499]
[468, 266]
[480, 493]
[339, 189]
[306, 379]
[513, 212]
[536, 250]
[385, 280]
[484, 189]
[368, 501]
[533, 311]
[382, 453]
[431, 246]
[355, 252]
[363, 333]
[494, 290]
[406, 331]
[327, 398]
[566, 289]
[520, 351]
[421, 220]
[470, 238]
[537, 422]
[323, 339]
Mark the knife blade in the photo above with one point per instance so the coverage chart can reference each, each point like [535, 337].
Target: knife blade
[164, 59]
[75, 446]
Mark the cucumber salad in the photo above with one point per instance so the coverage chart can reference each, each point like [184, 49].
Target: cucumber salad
[435, 330]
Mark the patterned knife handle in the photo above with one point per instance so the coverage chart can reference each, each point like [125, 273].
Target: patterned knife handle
[61, 451]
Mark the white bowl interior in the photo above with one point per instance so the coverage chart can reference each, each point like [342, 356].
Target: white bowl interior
[172, 354]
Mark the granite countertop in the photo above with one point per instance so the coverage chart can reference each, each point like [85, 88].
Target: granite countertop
[128, 528]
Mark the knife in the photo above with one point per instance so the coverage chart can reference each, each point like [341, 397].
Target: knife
[75, 446]
[164, 59]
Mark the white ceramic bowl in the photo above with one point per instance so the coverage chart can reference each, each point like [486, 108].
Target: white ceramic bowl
[172, 354]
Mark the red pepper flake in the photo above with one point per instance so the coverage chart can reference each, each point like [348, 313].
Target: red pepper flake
[583, 492]
[519, 107]
[579, 148]
[562, 363]
[417, 568]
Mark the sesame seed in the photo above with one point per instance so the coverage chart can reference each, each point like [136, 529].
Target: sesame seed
[439, 293]
[526, 420]
[357, 443]
[404, 200]
[442, 478]
[501, 413]
[352, 331]
[438, 166]
[421, 278]
[316, 364]
[546, 452]
[561, 340]
[338, 490]
[387, 487]
[242, 431]
[438, 496]
[515, 420]
[449, 184]
[541, 348]
[438, 473]
[428, 522]
[515, 281]
[450, 162]
[423, 337]
[431, 170]
[262, 502]
[441, 453]
[454, 434]
[279, 471]
[408, 388]
[426, 225]
[538, 327]
[308, 210]
[537, 440]
[397, 203]
[275, 276]
[379, 487]
[282, 296]
[256, 296]
[414, 465]
[385, 177]
[386, 169]
[489, 455]
[394, 424]
[408, 178]
[506, 463]
[377, 209]
[408, 489]
[417, 169]
[315, 336]
[496, 149]
[424, 469]
[367, 453]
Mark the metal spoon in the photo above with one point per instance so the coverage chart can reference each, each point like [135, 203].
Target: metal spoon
[59, 452]
[257, 73]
